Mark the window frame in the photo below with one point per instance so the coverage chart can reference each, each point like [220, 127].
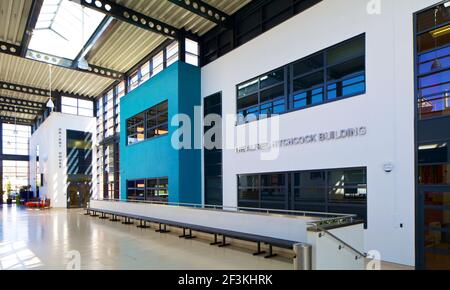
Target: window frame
[77, 107]
[290, 93]
[158, 125]
[16, 139]
[160, 185]
[291, 202]
[149, 61]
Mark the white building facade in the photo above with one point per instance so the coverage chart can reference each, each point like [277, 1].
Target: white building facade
[56, 169]
[381, 112]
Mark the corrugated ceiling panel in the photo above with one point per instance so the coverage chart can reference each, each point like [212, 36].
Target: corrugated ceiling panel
[36, 74]
[13, 19]
[125, 47]
[128, 44]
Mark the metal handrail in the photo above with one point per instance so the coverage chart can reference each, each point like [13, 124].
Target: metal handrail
[329, 218]
[346, 245]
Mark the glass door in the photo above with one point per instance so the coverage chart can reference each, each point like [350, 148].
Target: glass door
[73, 196]
[434, 228]
[78, 194]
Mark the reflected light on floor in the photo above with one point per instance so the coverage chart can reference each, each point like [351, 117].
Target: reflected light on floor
[17, 256]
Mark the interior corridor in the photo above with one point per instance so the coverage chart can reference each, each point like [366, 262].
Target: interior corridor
[31, 239]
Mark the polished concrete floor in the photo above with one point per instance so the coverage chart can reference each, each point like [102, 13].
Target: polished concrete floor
[52, 239]
[67, 239]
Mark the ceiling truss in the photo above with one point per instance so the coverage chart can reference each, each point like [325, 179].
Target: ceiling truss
[132, 17]
[204, 10]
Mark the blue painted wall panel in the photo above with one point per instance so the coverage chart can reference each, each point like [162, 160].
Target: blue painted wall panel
[154, 158]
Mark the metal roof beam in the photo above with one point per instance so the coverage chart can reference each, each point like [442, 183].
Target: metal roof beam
[15, 50]
[20, 121]
[10, 49]
[132, 17]
[19, 110]
[102, 29]
[24, 89]
[4, 100]
[204, 10]
[31, 25]
[38, 91]
[70, 64]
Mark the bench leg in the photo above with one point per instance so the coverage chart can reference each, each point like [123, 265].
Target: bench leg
[190, 236]
[128, 221]
[216, 242]
[224, 242]
[103, 217]
[143, 225]
[88, 212]
[162, 230]
[259, 252]
[114, 219]
[271, 254]
[94, 214]
[183, 235]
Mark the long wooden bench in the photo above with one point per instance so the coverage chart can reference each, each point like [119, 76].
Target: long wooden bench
[258, 239]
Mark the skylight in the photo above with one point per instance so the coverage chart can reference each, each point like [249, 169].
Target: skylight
[59, 29]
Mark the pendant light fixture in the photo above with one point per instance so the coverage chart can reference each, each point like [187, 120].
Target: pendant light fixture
[436, 65]
[15, 132]
[50, 103]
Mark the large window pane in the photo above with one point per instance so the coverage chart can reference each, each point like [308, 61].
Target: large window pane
[308, 65]
[348, 186]
[327, 75]
[434, 174]
[149, 124]
[272, 78]
[172, 53]
[348, 50]
[76, 106]
[192, 52]
[15, 139]
[272, 93]
[15, 175]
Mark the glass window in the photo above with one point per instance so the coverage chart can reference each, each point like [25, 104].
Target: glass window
[271, 79]
[15, 175]
[133, 81]
[333, 73]
[76, 106]
[433, 18]
[337, 191]
[60, 29]
[172, 53]
[344, 52]
[433, 48]
[434, 153]
[347, 186]
[149, 124]
[158, 63]
[192, 52]
[434, 174]
[16, 139]
[145, 72]
[308, 65]
[156, 189]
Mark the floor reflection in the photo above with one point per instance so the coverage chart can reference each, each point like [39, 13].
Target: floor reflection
[52, 239]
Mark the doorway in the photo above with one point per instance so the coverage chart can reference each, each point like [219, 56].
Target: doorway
[78, 194]
[434, 228]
